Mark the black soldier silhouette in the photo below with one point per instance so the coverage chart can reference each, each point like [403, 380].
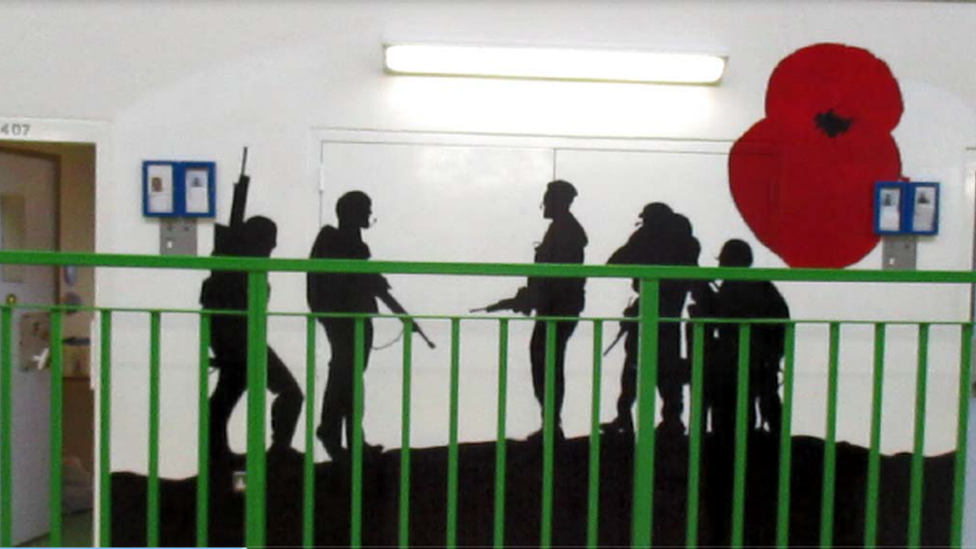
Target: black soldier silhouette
[563, 243]
[744, 299]
[663, 238]
[227, 291]
[346, 293]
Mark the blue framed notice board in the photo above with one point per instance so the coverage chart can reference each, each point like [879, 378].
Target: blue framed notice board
[906, 208]
[178, 189]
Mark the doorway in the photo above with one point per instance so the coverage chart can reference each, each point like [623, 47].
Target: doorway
[47, 202]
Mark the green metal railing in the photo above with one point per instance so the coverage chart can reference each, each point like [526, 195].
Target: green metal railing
[644, 461]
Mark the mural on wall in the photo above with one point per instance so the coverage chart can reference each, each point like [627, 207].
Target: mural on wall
[797, 177]
[803, 176]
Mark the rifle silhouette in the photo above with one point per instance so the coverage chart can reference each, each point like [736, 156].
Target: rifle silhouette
[518, 303]
[616, 340]
[227, 239]
[387, 298]
[240, 194]
[507, 304]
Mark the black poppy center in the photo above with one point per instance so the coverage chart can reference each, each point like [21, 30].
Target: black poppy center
[831, 124]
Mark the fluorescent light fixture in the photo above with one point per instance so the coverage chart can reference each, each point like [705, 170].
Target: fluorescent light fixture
[554, 64]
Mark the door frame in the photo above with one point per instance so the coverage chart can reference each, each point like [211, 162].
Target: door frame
[969, 522]
[98, 134]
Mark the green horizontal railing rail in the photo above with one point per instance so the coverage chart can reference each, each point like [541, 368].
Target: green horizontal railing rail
[643, 505]
[476, 269]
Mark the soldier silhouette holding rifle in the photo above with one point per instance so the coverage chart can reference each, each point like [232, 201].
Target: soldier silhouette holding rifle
[227, 291]
[346, 293]
[563, 243]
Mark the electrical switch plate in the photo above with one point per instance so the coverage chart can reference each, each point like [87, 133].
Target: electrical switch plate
[898, 253]
[178, 236]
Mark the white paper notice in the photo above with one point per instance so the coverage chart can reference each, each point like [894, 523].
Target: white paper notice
[890, 219]
[197, 195]
[924, 218]
[160, 188]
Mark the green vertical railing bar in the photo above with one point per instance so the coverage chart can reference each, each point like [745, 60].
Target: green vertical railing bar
[965, 378]
[548, 437]
[203, 433]
[830, 443]
[257, 386]
[918, 455]
[742, 428]
[500, 443]
[874, 458]
[356, 511]
[308, 526]
[786, 440]
[57, 424]
[152, 506]
[105, 433]
[405, 434]
[452, 444]
[593, 504]
[643, 506]
[695, 420]
[6, 430]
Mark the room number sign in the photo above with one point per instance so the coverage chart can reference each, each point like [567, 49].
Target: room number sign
[13, 129]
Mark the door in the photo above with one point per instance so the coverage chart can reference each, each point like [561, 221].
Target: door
[28, 221]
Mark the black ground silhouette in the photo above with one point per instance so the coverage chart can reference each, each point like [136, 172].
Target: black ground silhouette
[476, 498]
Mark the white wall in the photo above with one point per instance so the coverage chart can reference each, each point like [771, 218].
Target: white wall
[199, 80]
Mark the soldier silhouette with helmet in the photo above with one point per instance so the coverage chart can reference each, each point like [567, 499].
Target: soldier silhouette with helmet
[346, 293]
[663, 238]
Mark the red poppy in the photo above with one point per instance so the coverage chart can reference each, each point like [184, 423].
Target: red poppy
[803, 177]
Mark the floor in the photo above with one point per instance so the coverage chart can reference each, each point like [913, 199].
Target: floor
[76, 531]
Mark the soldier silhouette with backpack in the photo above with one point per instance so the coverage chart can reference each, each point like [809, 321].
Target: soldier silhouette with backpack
[227, 291]
[663, 238]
